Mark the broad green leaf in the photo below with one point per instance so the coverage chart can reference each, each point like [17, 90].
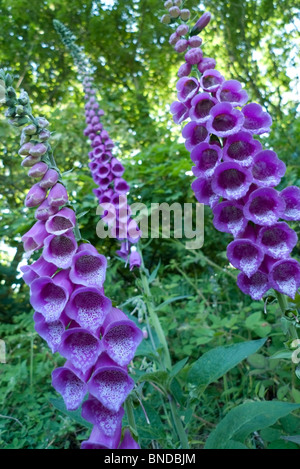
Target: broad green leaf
[293, 439]
[178, 367]
[246, 419]
[74, 415]
[172, 300]
[218, 361]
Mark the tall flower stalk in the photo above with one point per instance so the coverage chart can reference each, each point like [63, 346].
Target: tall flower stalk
[106, 170]
[235, 175]
[72, 313]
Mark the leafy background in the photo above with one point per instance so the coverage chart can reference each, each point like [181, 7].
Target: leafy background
[255, 41]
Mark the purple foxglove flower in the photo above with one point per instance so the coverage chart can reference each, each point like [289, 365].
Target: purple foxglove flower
[128, 441]
[241, 148]
[44, 211]
[105, 157]
[224, 120]
[182, 30]
[201, 105]
[88, 267]
[185, 14]
[107, 421]
[201, 23]
[25, 149]
[34, 238]
[81, 348]
[104, 182]
[211, 80]
[58, 195]
[41, 268]
[110, 383]
[206, 157]
[49, 296]
[29, 275]
[134, 259]
[231, 91]
[195, 41]
[98, 441]
[38, 170]
[207, 63]
[121, 186]
[61, 222]
[49, 179]
[204, 192]
[120, 337]
[60, 250]
[30, 161]
[88, 307]
[194, 56]
[181, 45]
[184, 70]
[180, 112]
[44, 135]
[256, 286]
[187, 88]
[133, 231]
[284, 277]
[231, 181]
[174, 12]
[291, 197]
[194, 134]
[245, 255]
[35, 196]
[38, 150]
[117, 168]
[123, 252]
[105, 197]
[229, 218]
[66, 382]
[267, 168]
[264, 206]
[51, 332]
[277, 240]
[103, 170]
[256, 120]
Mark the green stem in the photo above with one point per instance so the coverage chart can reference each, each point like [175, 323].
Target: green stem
[130, 415]
[178, 424]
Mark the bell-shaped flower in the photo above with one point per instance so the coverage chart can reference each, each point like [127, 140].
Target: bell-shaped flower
[128, 441]
[135, 260]
[241, 148]
[110, 383]
[245, 255]
[121, 186]
[206, 63]
[257, 121]
[49, 179]
[49, 296]
[98, 440]
[194, 134]
[255, 286]
[187, 88]
[231, 91]
[39, 268]
[107, 421]
[117, 168]
[224, 120]
[267, 169]
[38, 170]
[67, 382]
[51, 331]
[211, 80]
[35, 196]
[206, 157]
[44, 211]
[204, 192]
[180, 112]
[277, 240]
[60, 250]
[61, 222]
[81, 348]
[34, 238]
[120, 337]
[201, 105]
[231, 181]
[58, 195]
[284, 277]
[264, 206]
[291, 198]
[229, 218]
[88, 307]
[88, 267]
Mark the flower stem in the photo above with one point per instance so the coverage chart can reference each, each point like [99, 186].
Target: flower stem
[130, 415]
[178, 424]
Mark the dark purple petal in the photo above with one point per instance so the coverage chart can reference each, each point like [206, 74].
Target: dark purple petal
[128, 442]
[88, 267]
[245, 255]
[81, 348]
[98, 440]
[229, 218]
[58, 195]
[194, 134]
[180, 112]
[211, 80]
[267, 168]
[256, 286]
[231, 181]
[206, 157]
[51, 332]
[187, 88]
[44, 211]
[34, 238]
[201, 106]
[291, 198]
[241, 148]
[204, 192]
[256, 120]
[60, 250]
[135, 260]
[278, 240]
[61, 222]
[224, 120]
[206, 63]
[35, 196]
[264, 206]
[285, 277]
[231, 91]
[107, 421]
[66, 381]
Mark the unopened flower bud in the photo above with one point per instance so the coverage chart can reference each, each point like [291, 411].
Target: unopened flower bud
[30, 129]
[185, 14]
[201, 23]
[174, 12]
[168, 4]
[166, 19]
[38, 150]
